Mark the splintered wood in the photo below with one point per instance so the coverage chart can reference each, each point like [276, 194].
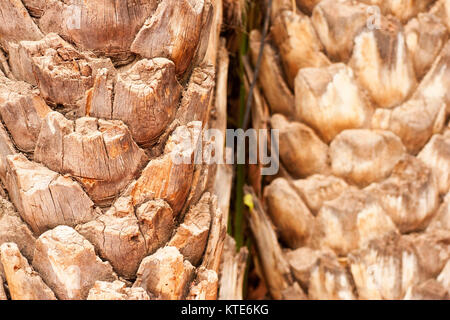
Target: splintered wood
[358, 92]
[101, 120]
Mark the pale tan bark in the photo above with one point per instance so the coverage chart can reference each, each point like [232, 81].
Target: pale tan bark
[116, 290]
[276, 269]
[98, 101]
[232, 271]
[23, 282]
[360, 203]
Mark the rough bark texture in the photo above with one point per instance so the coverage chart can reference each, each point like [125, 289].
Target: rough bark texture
[68, 263]
[116, 290]
[160, 35]
[164, 275]
[23, 282]
[361, 203]
[103, 106]
[232, 271]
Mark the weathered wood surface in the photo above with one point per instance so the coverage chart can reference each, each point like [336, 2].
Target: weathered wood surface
[61, 72]
[191, 236]
[22, 110]
[197, 98]
[276, 269]
[146, 98]
[329, 100]
[100, 154]
[276, 91]
[23, 282]
[14, 229]
[117, 237]
[232, 271]
[361, 202]
[160, 35]
[204, 286]
[68, 264]
[116, 290]
[175, 167]
[164, 275]
[380, 57]
[103, 106]
[111, 36]
[216, 239]
[44, 198]
[16, 24]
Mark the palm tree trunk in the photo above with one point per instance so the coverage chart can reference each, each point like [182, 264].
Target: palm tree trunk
[98, 100]
[361, 198]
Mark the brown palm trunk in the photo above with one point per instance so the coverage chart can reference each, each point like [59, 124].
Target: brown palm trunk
[97, 101]
[361, 202]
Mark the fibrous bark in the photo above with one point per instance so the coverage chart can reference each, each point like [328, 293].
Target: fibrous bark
[289, 213]
[329, 100]
[68, 264]
[111, 36]
[22, 110]
[116, 290]
[13, 229]
[232, 271]
[103, 107]
[44, 198]
[62, 73]
[16, 24]
[350, 221]
[160, 35]
[100, 154]
[382, 63]
[204, 286]
[191, 236]
[321, 274]
[351, 160]
[23, 282]
[142, 101]
[164, 275]
[312, 158]
[369, 217]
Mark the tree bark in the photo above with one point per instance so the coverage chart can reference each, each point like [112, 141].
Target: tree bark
[360, 207]
[95, 115]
